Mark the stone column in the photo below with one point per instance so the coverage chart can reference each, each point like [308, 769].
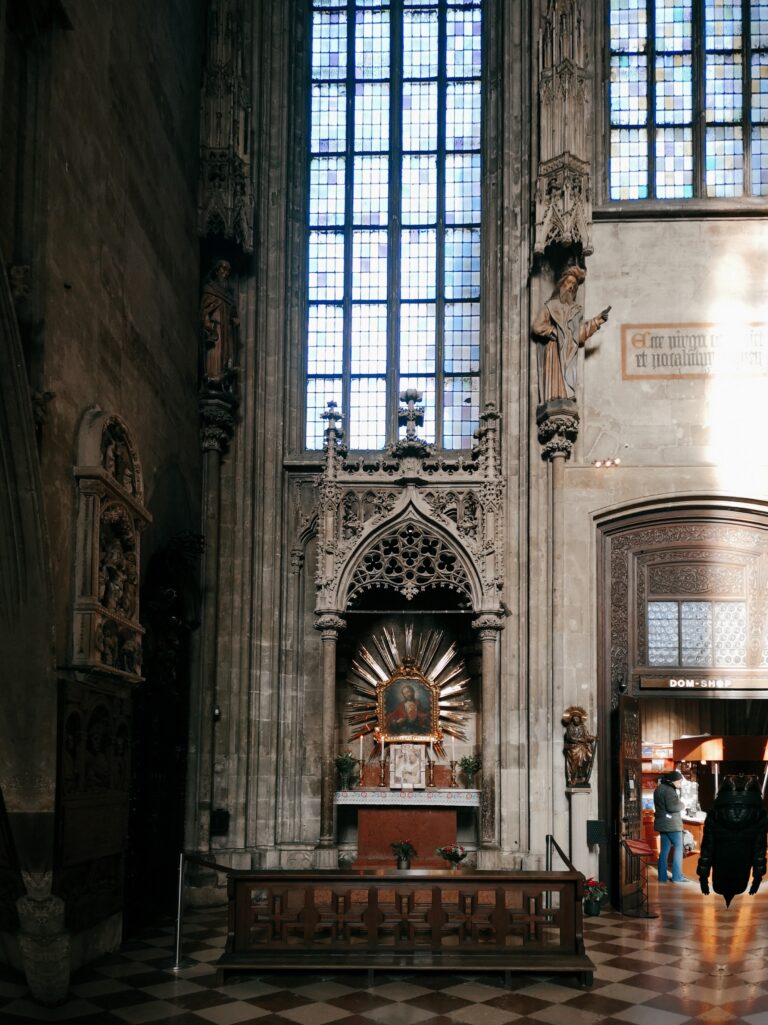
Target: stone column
[329, 625]
[489, 626]
[217, 414]
[45, 947]
[558, 423]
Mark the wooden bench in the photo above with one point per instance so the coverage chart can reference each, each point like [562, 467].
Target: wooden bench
[416, 920]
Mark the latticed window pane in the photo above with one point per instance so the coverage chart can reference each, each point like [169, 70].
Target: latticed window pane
[462, 338]
[760, 161]
[723, 24]
[674, 163]
[461, 411]
[673, 26]
[628, 25]
[367, 412]
[329, 45]
[723, 77]
[730, 630]
[674, 95]
[463, 116]
[629, 90]
[329, 118]
[320, 391]
[725, 161]
[419, 190]
[420, 44]
[663, 633]
[370, 201]
[326, 265]
[696, 633]
[418, 344]
[369, 339]
[462, 189]
[325, 340]
[372, 117]
[419, 115]
[393, 215]
[326, 191]
[464, 39]
[372, 44]
[462, 263]
[703, 63]
[426, 385]
[629, 164]
[369, 264]
[418, 264]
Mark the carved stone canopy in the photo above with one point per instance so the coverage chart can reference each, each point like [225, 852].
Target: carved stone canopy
[107, 634]
[410, 521]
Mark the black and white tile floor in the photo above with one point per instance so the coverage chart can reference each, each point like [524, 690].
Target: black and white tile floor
[697, 962]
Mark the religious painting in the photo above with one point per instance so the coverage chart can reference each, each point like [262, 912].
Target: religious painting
[407, 708]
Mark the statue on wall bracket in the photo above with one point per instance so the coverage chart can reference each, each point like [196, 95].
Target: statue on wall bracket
[579, 747]
[418, 696]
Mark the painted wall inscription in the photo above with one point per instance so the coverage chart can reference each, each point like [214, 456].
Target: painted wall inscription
[693, 350]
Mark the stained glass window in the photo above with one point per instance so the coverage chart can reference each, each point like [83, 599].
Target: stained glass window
[393, 229]
[688, 99]
[689, 634]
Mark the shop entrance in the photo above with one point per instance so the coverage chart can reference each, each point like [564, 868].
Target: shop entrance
[658, 734]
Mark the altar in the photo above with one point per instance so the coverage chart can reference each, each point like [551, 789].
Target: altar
[427, 818]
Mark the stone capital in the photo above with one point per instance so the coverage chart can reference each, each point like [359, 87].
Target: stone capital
[330, 625]
[488, 624]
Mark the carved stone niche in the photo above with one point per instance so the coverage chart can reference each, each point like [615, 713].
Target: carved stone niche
[110, 517]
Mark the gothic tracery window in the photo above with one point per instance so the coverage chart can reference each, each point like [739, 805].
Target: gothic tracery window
[393, 247]
[688, 99]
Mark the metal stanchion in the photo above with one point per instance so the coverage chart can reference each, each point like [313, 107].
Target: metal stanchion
[177, 963]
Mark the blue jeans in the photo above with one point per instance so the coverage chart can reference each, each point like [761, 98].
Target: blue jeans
[675, 841]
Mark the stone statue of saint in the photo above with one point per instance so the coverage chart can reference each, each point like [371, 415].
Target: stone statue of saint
[561, 330]
[579, 747]
[218, 312]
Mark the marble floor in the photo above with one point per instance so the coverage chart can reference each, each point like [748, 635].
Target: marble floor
[696, 962]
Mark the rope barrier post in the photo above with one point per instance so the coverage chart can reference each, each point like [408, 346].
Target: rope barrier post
[178, 962]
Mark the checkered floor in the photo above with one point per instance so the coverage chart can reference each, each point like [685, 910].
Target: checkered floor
[696, 962]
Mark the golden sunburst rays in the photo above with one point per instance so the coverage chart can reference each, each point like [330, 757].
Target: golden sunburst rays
[442, 673]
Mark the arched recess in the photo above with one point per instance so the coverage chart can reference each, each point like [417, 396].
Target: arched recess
[699, 547]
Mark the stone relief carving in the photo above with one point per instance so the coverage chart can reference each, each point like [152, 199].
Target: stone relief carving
[218, 315]
[95, 742]
[226, 205]
[699, 541]
[688, 579]
[110, 518]
[445, 516]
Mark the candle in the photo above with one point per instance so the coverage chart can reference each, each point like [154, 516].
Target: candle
[361, 752]
[453, 748]
[382, 750]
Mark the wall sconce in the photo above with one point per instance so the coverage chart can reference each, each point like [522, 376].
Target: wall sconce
[606, 462]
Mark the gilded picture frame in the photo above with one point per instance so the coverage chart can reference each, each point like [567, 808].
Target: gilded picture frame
[408, 708]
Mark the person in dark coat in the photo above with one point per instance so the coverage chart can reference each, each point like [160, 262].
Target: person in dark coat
[668, 823]
[734, 840]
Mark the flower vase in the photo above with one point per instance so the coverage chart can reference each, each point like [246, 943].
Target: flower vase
[403, 863]
[470, 777]
[344, 779]
[592, 908]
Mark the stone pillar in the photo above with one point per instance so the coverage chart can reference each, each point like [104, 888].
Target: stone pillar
[217, 414]
[489, 626]
[558, 423]
[44, 946]
[329, 625]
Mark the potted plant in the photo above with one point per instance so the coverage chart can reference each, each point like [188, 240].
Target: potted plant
[453, 854]
[404, 851]
[345, 764]
[594, 892]
[471, 765]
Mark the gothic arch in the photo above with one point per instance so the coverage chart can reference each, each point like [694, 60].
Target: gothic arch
[409, 553]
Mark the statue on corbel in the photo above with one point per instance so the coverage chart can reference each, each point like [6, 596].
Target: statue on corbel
[579, 747]
[218, 315]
